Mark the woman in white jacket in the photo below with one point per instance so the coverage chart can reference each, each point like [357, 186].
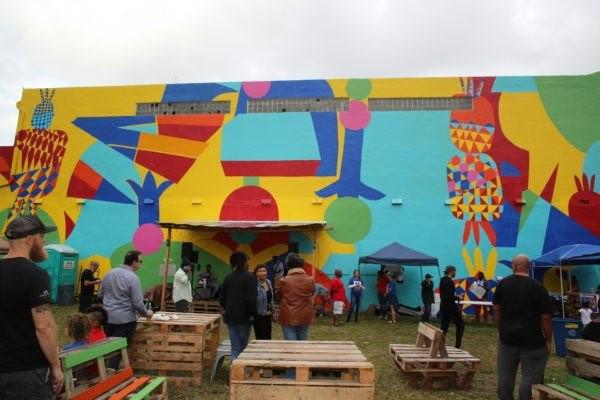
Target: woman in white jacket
[182, 288]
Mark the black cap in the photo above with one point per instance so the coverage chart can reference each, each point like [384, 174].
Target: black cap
[24, 226]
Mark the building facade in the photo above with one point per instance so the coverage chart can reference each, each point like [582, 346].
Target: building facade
[469, 170]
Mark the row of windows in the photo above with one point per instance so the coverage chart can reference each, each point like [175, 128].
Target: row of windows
[306, 105]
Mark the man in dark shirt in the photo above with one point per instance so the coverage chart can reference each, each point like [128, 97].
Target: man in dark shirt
[449, 307]
[238, 299]
[88, 284]
[427, 297]
[29, 365]
[523, 317]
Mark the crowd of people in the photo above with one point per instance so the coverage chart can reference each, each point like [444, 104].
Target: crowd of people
[284, 293]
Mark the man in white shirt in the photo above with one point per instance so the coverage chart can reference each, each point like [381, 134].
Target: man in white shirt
[182, 288]
[586, 314]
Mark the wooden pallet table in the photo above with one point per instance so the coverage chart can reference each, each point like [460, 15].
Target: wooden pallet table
[430, 362]
[179, 349]
[198, 306]
[307, 370]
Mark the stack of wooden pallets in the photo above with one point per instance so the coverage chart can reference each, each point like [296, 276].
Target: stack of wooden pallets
[179, 347]
[430, 361]
[583, 380]
[198, 306]
[308, 370]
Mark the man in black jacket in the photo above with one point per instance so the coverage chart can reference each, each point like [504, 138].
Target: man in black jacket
[427, 297]
[448, 306]
[238, 299]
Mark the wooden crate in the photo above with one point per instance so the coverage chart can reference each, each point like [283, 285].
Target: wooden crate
[583, 358]
[207, 307]
[179, 349]
[430, 363]
[307, 370]
[573, 389]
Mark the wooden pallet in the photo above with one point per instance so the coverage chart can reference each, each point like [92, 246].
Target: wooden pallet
[574, 388]
[198, 307]
[429, 363]
[179, 349]
[308, 370]
[583, 358]
[88, 378]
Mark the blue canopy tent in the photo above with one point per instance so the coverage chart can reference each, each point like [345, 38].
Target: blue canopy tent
[570, 255]
[397, 254]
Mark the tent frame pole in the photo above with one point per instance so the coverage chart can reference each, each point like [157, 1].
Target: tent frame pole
[166, 271]
[562, 296]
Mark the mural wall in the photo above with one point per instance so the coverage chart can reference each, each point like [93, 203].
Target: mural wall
[514, 172]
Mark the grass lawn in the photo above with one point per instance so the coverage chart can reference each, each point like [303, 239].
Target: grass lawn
[373, 336]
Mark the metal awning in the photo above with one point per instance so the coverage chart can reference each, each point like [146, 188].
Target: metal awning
[254, 226]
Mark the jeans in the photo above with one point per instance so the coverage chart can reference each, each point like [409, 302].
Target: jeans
[239, 336]
[426, 312]
[299, 332]
[383, 304]
[451, 312]
[85, 301]
[35, 384]
[262, 327]
[125, 330]
[354, 307]
[533, 363]
[182, 306]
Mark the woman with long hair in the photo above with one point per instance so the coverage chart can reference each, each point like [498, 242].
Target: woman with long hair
[264, 304]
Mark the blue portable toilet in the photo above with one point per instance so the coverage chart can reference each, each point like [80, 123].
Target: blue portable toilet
[61, 266]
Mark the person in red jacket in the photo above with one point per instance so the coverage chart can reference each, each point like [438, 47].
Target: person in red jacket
[337, 292]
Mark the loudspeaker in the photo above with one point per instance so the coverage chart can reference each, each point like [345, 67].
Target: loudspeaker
[187, 249]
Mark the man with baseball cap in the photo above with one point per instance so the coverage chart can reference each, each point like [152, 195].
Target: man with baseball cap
[29, 365]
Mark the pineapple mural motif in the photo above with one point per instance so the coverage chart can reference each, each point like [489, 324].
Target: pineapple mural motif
[38, 155]
[474, 185]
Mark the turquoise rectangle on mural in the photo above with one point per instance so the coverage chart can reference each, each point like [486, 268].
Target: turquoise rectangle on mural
[270, 137]
[514, 84]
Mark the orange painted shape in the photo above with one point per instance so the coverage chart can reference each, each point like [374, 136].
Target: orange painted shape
[102, 387]
[87, 174]
[191, 119]
[132, 387]
[171, 145]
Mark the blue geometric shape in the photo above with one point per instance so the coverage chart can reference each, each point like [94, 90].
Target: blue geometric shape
[36, 192]
[108, 129]
[507, 169]
[507, 227]
[591, 165]
[194, 91]
[325, 125]
[126, 151]
[107, 192]
[514, 84]
[146, 128]
[562, 230]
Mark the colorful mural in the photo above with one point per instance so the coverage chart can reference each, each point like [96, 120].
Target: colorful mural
[513, 173]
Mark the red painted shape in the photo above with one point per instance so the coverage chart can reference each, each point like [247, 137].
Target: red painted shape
[225, 239]
[69, 225]
[584, 205]
[84, 182]
[268, 239]
[244, 204]
[192, 132]
[548, 191]
[271, 168]
[6, 156]
[102, 387]
[170, 166]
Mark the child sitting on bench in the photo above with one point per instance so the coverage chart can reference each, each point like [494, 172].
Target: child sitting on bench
[98, 317]
[78, 329]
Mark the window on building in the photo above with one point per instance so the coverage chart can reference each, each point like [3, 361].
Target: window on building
[421, 103]
[185, 107]
[297, 105]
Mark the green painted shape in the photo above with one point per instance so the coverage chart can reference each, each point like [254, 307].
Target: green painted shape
[573, 104]
[251, 181]
[149, 274]
[80, 356]
[530, 199]
[358, 88]
[52, 237]
[148, 389]
[566, 391]
[583, 386]
[350, 219]
[3, 215]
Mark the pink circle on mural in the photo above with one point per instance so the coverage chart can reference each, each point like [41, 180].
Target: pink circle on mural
[256, 89]
[148, 238]
[357, 117]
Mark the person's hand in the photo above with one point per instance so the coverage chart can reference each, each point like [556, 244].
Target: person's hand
[149, 314]
[57, 378]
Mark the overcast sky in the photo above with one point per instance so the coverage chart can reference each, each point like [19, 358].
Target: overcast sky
[85, 43]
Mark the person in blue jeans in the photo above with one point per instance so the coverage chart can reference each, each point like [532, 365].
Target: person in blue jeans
[357, 286]
[238, 299]
[392, 296]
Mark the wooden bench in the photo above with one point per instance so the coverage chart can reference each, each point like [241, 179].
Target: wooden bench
[84, 382]
[583, 380]
[430, 361]
[280, 369]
